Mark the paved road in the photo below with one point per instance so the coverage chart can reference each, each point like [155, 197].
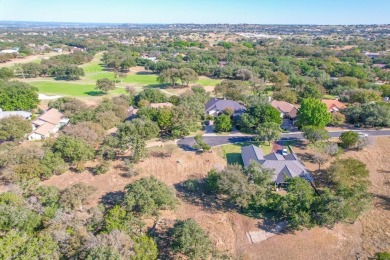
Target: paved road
[220, 140]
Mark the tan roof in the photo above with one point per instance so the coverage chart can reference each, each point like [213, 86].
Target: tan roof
[52, 116]
[285, 107]
[161, 105]
[45, 129]
[332, 103]
[38, 122]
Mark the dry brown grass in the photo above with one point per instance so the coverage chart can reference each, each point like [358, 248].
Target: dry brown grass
[368, 235]
[173, 170]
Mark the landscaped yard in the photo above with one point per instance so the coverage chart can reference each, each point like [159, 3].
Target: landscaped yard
[232, 152]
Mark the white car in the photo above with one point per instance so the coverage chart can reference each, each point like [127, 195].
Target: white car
[362, 135]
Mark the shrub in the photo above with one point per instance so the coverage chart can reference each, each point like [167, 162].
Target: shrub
[349, 139]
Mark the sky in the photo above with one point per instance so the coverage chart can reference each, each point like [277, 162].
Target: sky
[199, 11]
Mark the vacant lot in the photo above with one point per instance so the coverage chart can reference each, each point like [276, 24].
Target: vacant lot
[364, 238]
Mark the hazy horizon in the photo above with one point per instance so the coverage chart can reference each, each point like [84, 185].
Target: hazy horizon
[173, 23]
[278, 12]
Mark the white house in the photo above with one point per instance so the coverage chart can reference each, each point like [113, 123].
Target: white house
[24, 114]
[9, 51]
[47, 124]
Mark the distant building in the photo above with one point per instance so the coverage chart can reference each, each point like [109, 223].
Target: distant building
[372, 55]
[9, 51]
[288, 166]
[57, 50]
[47, 124]
[24, 114]
[287, 110]
[333, 105]
[76, 49]
[217, 106]
[147, 57]
[381, 66]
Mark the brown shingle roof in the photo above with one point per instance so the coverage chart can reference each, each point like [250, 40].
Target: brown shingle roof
[52, 116]
[45, 129]
[285, 107]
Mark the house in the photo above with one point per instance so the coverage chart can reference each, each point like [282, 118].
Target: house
[333, 105]
[288, 166]
[24, 114]
[372, 55]
[9, 51]
[381, 66]
[217, 106]
[287, 110]
[132, 112]
[47, 124]
[77, 49]
[151, 58]
[57, 50]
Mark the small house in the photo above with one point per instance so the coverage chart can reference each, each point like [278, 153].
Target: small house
[287, 110]
[47, 124]
[333, 105]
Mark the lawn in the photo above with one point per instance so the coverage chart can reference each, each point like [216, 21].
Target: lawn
[94, 66]
[141, 79]
[70, 88]
[232, 152]
[94, 71]
[204, 81]
[99, 75]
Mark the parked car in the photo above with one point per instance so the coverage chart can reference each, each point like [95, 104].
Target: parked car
[362, 135]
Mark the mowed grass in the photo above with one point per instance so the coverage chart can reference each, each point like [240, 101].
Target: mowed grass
[70, 88]
[92, 67]
[205, 81]
[94, 71]
[141, 79]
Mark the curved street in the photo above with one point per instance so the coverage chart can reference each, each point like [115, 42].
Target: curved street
[238, 138]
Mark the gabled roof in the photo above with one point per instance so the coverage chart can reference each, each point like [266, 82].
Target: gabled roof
[223, 104]
[284, 166]
[52, 116]
[45, 129]
[332, 104]
[285, 107]
[250, 153]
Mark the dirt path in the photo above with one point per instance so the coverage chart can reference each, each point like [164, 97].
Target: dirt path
[31, 58]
